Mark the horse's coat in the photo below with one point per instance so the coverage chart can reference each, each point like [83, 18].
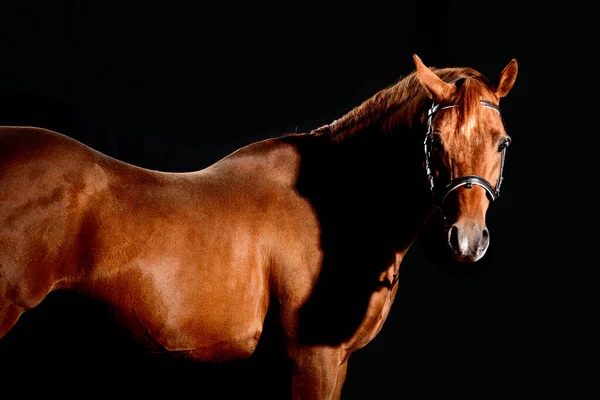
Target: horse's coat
[313, 226]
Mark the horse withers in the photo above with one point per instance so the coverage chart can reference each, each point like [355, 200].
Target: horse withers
[310, 228]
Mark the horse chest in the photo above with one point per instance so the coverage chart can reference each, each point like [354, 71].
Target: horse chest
[378, 308]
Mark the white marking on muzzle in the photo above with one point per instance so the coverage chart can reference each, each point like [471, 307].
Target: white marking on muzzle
[463, 244]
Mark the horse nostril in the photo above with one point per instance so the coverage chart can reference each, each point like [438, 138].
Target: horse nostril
[485, 238]
[453, 237]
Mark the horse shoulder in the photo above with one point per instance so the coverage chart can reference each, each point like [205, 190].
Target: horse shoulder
[269, 171]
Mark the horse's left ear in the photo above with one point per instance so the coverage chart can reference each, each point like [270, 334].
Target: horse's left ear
[507, 79]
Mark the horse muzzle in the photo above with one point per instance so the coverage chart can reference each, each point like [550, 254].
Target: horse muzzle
[468, 240]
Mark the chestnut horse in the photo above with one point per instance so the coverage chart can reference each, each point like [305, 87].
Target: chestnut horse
[311, 227]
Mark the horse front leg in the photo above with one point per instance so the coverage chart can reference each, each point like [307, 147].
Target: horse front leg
[318, 372]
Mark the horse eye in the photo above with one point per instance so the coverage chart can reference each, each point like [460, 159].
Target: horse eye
[504, 144]
[436, 143]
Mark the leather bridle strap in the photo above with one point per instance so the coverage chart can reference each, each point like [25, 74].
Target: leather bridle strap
[468, 181]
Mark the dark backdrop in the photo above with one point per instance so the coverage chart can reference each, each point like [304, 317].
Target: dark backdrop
[177, 87]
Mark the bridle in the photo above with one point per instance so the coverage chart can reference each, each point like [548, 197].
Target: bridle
[466, 180]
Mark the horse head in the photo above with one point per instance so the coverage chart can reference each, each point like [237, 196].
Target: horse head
[465, 146]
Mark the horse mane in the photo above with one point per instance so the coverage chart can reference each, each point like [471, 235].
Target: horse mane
[400, 103]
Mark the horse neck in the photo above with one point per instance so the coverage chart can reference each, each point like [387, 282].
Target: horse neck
[393, 167]
[378, 179]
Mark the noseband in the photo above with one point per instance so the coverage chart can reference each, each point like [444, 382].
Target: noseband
[466, 180]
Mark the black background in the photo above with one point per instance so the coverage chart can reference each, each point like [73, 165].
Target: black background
[176, 87]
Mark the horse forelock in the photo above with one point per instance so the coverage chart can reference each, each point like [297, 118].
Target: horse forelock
[471, 126]
[469, 107]
[468, 100]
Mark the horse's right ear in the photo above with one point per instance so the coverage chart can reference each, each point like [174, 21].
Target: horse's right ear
[437, 90]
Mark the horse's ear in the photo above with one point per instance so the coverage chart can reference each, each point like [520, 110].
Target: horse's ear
[507, 79]
[437, 90]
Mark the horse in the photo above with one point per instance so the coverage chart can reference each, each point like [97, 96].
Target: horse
[309, 228]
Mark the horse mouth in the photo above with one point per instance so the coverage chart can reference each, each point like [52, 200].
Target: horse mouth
[467, 258]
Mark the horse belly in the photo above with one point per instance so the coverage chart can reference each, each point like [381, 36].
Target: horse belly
[228, 319]
[209, 314]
